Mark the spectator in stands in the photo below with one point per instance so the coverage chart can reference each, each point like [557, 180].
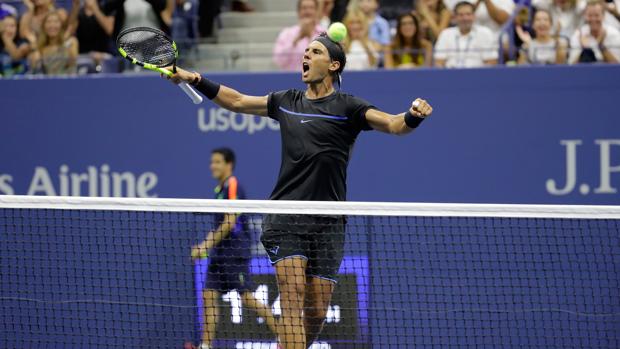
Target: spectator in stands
[292, 41]
[545, 47]
[467, 45]
[136, 13]
[93, 30]
[434, 17]
[595, 42]
[31, 22]
[521, 26]
[208, 10]
[13, 49]
[362, 52]
[56, 54]
[493, 14]
[378, 27]
[326, 7]
[566, 14]
[184, 22]
[408, 48]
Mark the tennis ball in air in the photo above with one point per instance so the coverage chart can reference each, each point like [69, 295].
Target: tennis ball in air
[337, 31]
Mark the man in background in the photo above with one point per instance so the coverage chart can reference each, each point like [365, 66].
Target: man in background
[228, 250]
[467, 45]
[292, 41]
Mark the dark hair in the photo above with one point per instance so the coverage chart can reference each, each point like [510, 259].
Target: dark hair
[464, 3]
[227, 153]
[400, 42]
[335, 51]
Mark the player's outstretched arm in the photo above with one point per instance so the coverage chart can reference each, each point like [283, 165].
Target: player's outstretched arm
[402, 123]
[223, 96]
[235, 101]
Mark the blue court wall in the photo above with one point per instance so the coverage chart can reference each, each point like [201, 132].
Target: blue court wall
[510, 135]
[522, 135]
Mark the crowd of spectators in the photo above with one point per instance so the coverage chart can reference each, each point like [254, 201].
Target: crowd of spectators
[467, 34]
[40, 37]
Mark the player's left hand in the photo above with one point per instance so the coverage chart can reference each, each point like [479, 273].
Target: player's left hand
[421, 108]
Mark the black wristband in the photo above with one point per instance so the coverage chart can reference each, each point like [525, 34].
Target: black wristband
[411, 120]
[208, 87]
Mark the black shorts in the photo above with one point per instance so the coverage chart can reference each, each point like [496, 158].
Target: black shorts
[319, 239]
[225, 275]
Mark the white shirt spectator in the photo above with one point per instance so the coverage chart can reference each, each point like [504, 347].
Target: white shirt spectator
[357, 57]
[482, 15]
[570, 20]
[484, 19]
[466, 51]
[611, 41]
[610, 20]
[139, 13]
[542, 53]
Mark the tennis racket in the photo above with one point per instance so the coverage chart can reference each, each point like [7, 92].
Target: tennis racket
[152, 49]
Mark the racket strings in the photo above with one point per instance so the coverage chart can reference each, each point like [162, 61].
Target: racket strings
[148, 47]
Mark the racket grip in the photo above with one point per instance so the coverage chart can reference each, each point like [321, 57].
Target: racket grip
[196, 98]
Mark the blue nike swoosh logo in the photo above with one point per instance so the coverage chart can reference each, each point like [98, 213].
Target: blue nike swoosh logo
[320, 116]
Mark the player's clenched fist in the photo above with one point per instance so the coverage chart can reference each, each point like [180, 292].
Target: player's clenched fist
[421, 108]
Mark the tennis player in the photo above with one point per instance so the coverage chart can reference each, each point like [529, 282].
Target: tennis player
[318, 127]
[228, 248]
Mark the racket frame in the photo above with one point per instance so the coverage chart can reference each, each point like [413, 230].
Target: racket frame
[195, 97]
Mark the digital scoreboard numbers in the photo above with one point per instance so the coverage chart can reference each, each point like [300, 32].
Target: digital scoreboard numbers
[237, 321]
[346, 325]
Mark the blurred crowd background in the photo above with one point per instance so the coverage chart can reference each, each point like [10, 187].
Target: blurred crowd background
[68, 37]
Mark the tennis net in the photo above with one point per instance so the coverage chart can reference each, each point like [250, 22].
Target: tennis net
[117, 273]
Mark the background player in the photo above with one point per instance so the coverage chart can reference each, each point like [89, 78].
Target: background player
[228, 248]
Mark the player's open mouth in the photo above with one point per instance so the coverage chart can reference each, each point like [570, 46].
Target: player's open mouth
[305, 67]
